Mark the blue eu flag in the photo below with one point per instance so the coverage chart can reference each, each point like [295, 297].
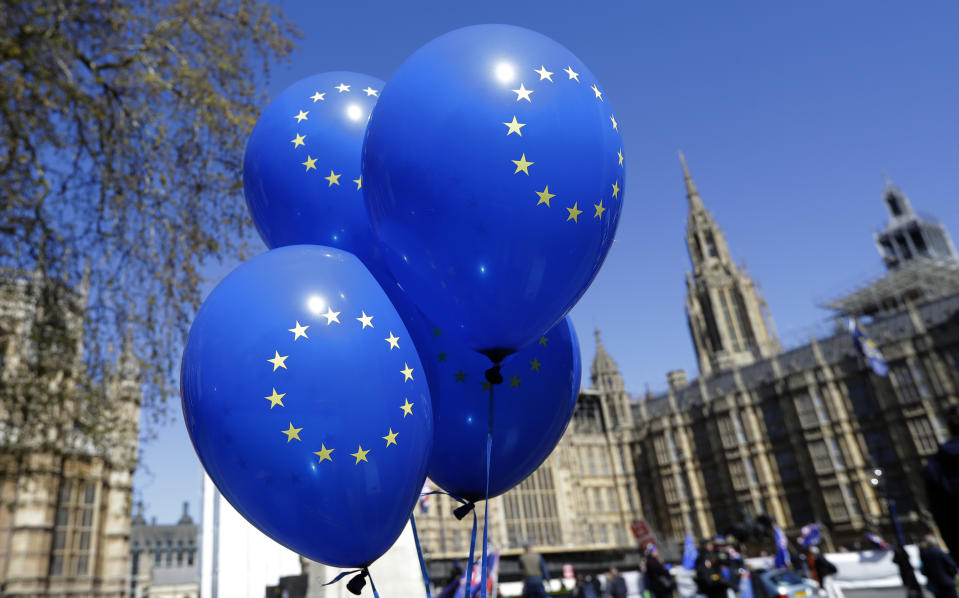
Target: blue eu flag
[690, 554]
[868, 349]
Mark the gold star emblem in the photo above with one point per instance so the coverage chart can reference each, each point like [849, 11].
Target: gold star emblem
[359, 182]
[573, 213]
[514, 382]
[317, 96]
[543, 340]
[360, 454]
[298, 331]
[407, 372]
[324, 453]
[598, 93]
[394, 341]
[275, 399]
[278, 360]
[331, 316]
[534, 365]
[572, 74]
[543, 73]
[599, 210]
[544, 196]
[310, 163]
[522, 165]
[390, 438]
[615, 124]
[522, 93]
[437, 332]
[292, 433]
[620, 154]
[460, 376]
[616, 189]
[486, 385]
[301, 116]
[365, 320]
[334, 179]
[441, 356]
[342, 87]
[371, 92]
[514, 127]
[407, 408]
[298, 140]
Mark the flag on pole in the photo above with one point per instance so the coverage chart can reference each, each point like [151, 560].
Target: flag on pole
[492, 578]
[809, 535]
[877, 541]
[782, 548]
[425, 498]
[690, 553]
[868, 348]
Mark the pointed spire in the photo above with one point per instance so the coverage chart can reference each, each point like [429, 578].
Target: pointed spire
[605, 373]
[897, 203]
[692, 193]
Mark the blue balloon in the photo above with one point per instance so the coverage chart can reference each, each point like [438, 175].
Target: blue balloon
[493, 175]
[307, 404]
[301, 172]
[531, 408]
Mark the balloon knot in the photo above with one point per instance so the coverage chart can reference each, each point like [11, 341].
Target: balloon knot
[493, 375]
[463, 510]
[355, 585]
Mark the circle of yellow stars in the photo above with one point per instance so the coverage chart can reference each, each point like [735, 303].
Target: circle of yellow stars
[300, 140]
[275, 398]
[523, 164]
[514, 381]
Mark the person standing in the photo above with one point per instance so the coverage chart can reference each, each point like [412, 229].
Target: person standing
[906, 572]
[616, 586]
[825, 572]
[942, 484]
[534, 573]
[658, 578]
[940, 569]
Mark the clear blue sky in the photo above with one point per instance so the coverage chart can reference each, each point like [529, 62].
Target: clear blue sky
[788, 113]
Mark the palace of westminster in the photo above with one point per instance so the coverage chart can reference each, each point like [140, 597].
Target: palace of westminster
[795, 434]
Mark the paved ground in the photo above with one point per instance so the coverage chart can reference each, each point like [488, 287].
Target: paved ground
[883, 593]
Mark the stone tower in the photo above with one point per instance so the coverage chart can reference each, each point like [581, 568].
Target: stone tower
[907, 237]
[608, 381]
[728, 318]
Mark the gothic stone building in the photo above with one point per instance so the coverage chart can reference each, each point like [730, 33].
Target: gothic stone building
[164, 562]
[797, 434]
[65, 517]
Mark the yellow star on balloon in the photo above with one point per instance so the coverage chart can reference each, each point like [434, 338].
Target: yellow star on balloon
[460, 376]
[359, 182]
[394, 341]
[486, 385]
[371, 92]
[620, 154]
[301, 116]
[616, 189]
[298, 331]
[599, 210]
[317, 96]
[292, 433]
[572, 74]
[522, 165]
[598, 93]
[360, 454]
[298, 140]
[544, 195]
[535, 364]
[331, 316]
[276, 399]
[543, 73]
[334, 179]
[543, 340]
[514, 127]
[522, 93]
[407, 372]
[574, 212]
[342, 87]
[278, 360]
[310, 163]
[390, 438]
[514, 382]
[324, 453]
[615, 124]
[365, 320]
[407, 407]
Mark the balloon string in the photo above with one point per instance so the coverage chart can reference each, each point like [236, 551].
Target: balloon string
[419, 553]
[373, 585]
[468, 576]
[342, 575]
[489, 452]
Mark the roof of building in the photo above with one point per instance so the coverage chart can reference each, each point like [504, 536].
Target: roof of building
[922, 280]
